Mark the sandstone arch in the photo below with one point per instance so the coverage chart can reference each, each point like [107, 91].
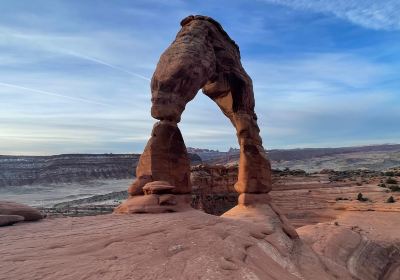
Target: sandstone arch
[202, 56]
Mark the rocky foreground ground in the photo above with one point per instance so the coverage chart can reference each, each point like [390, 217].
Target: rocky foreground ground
[340, 237]
[246, 244]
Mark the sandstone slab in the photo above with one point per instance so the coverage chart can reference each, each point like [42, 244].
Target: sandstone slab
[182, 245]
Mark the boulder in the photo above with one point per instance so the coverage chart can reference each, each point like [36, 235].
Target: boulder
[6, 220]
[12, 208]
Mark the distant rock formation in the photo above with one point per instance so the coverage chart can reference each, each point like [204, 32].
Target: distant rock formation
[69, 168]
[373, 157]
[213, 188]
[202, 56]
[214, 179]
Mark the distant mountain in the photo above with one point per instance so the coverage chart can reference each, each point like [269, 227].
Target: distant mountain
[28, 170]
[375, 157]
[308, 153]
[66, 168]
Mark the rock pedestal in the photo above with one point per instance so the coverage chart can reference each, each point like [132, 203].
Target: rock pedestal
[157, 198]
[164, 159]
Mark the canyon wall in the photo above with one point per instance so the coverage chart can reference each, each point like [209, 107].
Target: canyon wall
[67, 168]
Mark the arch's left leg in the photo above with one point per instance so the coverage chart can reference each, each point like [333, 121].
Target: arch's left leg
[164, 159]
[182, 70]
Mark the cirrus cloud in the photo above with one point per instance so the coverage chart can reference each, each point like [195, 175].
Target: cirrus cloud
[367, 13]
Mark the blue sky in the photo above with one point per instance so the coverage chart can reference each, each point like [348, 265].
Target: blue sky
[74, 75]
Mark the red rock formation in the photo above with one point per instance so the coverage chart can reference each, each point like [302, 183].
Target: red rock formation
[202, 56]
[213, 179]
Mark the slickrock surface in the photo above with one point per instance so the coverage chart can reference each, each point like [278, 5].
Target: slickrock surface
[366, 243]
[303, 198]
[184, 245]
[314, 199]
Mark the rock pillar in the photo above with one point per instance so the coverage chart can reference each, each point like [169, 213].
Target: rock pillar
[164, 159]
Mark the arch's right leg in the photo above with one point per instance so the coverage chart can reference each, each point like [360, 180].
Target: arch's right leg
[254, 167]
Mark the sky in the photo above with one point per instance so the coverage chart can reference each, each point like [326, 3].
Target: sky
[75, 75]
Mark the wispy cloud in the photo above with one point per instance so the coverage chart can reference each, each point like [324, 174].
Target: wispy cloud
[368, 13]
[76, 45]
[43, 92]
[102, 62]
[317, 80]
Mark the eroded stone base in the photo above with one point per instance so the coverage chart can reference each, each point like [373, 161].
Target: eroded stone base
[154, 203]
[259, 208]
[252, 198]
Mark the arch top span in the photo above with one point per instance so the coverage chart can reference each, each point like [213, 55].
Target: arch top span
[188, 19]
[202, 56]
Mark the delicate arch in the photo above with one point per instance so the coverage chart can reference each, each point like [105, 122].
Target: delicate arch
[202, 56]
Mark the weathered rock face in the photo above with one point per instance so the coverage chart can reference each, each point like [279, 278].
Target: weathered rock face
[366, 244]
[204, 57]
[213, 179]
[213, 188]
